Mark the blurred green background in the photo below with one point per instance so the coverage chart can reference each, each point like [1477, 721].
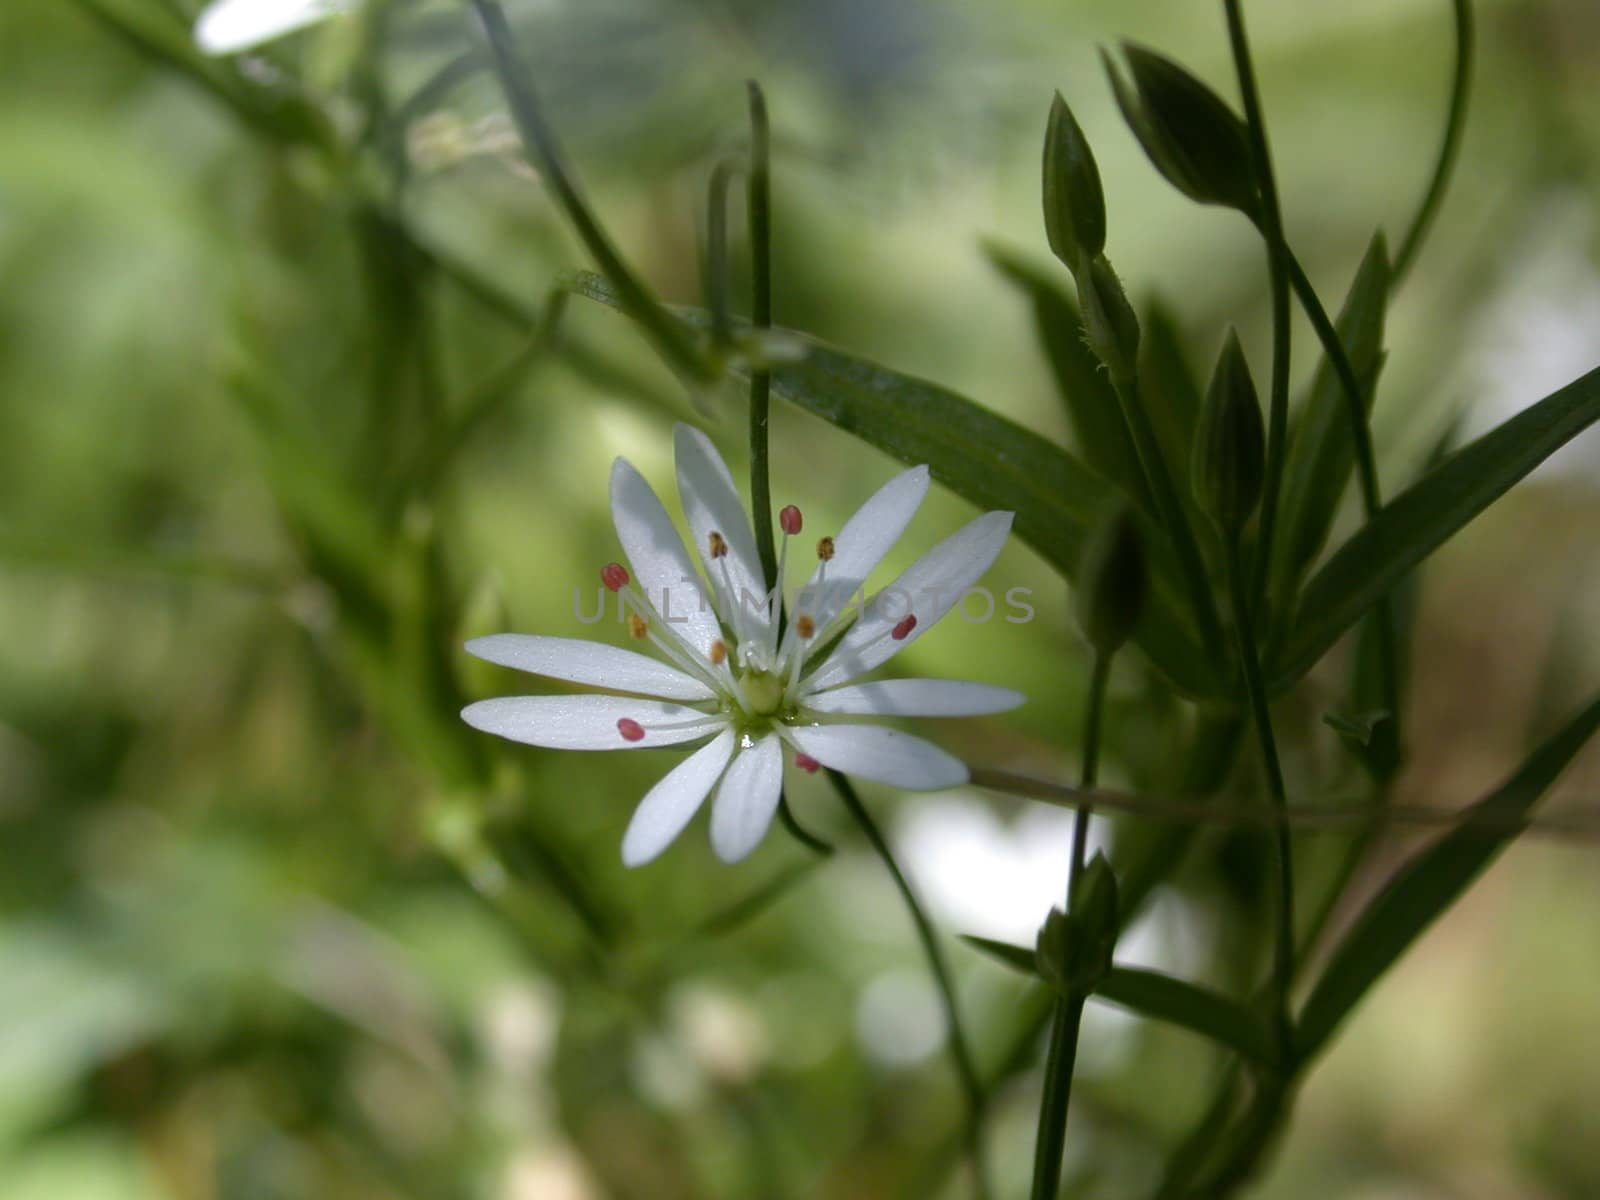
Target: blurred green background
[278, 431]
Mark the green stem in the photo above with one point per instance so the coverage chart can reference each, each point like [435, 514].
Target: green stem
[960, 1052]
[1366, 467]
[760, 201]
[799, 832]
[1271, 217]
[1050, 1143]
[1171, 511]
[669, 337]
[1283, 867]
[1460, 88]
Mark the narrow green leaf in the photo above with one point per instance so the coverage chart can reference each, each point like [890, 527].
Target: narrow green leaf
[1157, 996]
[1321, 447]
[1425, 516]
[1018, 958]
[1083, 385]
[986, 459]
[1430, 883]
[1197, 1009]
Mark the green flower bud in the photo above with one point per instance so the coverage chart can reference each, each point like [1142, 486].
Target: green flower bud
[1094, 912]
[1074, 204]
[1109, 322]
[1112, 582]
[1229, 448]
[1188, 131]
[1053, 947]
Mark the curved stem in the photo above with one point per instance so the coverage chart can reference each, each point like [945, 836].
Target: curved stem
[669, 337]
[798, 831]
[760, 207]
[960, 1052]
[1282, 867]
[1050, 1143]
[1271, 217]
[1460, 89]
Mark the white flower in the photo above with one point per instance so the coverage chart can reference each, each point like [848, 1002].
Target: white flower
[230, 26]
[735, 681]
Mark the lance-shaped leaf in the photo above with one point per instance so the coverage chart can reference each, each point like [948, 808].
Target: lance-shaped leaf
[1322, 448]
[1229, 446]
[1425, 516]
[1430, 883]
[986, 459]
[1171, 392]
[1091, 402]
[1189, 132]
[1157, 996]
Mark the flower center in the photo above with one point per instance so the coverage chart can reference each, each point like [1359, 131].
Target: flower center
[762, 692]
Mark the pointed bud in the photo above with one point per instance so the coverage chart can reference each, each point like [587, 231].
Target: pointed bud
[1074, 204]
[1112, 583]
[1109, 323]
[1052, 948]
[1189, 132]
[1229, 448]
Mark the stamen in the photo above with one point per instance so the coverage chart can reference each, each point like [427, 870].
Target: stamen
[903, 630]
[630, 730]
[638, 627]
[825, 549]
[806, 763]
[719, 545]
[719, 652]
[790, 520]
[805, 626]
[614, 576]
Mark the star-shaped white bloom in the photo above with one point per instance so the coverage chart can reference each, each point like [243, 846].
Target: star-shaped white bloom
[232, 26]
[738, 676]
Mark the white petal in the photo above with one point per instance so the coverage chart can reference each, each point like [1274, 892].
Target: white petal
[229, 26]
[589, 722]
[877, 752]
[667, 807]
[927, 589]
[747, 799]
[861, 544]
[593, 663]
[916, 698]
[711, 504]
[660, 564]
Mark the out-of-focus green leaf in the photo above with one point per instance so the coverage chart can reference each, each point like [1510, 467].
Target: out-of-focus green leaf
[1321, 447]
[1172, 395]
[986, 459]
[1427, 514]
[1431, 883]
[1197, 1009]
[1085, 388]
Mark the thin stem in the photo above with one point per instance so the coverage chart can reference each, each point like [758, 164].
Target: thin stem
[1460, 88]
[1283, 867]
[1366, 466]
[1271, 217]
[1171, 511]
[1061, 1058]
[960, 1052]
[669, 337]
[799, 832]
[760, 201]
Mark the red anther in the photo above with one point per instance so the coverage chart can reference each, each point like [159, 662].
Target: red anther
[630, 730]
[806, 763]
[614, 576]
[790, 520]
[903, 630]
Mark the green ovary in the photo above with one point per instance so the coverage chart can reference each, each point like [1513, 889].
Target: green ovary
[762, 692]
